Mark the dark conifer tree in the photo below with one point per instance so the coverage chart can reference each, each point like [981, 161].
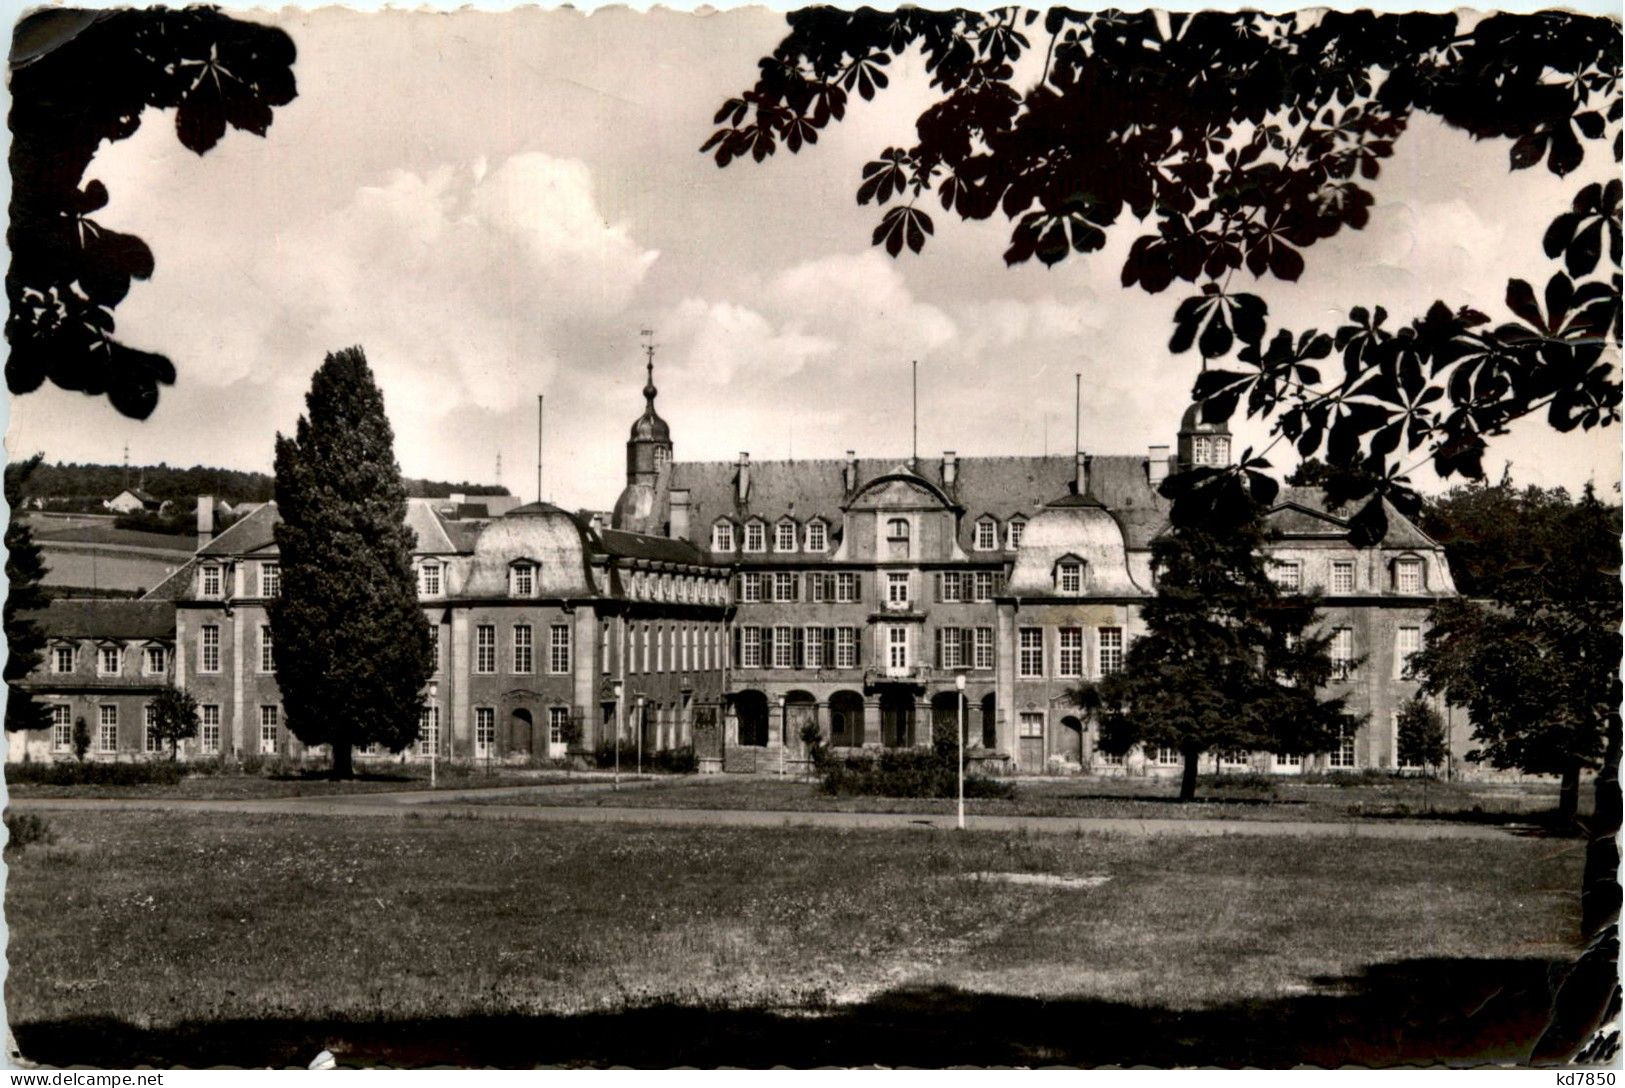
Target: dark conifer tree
[1227, 660]
[351, 643]
[25, 598]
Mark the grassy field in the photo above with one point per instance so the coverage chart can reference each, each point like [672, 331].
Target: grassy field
[201, 939]
[1125, 798]
[314, 783]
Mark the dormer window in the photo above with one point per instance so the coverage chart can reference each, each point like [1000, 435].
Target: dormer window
[987, 535]
[110, 661]
[1013, 531]
[155, 660]
[522, 580]
[784, 536]
[817, 536]
[755, 536]
[897, 532]
[1069, 575]
[270, 579]
[429, 579]
[1408, 575]
[62, 657]
[209, 581]
[722, 536]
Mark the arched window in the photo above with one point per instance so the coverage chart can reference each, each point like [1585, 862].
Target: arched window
[784, 536]
[987, 535]
[897, 537]
[522, 579]
[1069, 575]
[817, 536]
[755, 536]
[722, 536]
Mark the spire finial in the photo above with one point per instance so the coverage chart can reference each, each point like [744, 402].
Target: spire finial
[649, 351]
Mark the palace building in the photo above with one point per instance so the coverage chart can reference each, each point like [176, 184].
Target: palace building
[727, 605]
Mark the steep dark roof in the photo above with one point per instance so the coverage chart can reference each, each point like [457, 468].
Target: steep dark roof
[250, 533]
[662, 549]
[83, 618]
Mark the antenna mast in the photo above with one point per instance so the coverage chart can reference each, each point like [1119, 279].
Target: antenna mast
[540, 400]
[1077, 415]
[914, 454]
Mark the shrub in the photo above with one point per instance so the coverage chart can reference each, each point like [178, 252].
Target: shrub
[1261, 783]
[907, 772]
[665, 761]
[62, 773]
[26, 829]
[677, 761]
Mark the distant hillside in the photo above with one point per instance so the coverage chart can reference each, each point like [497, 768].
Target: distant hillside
[183, 485]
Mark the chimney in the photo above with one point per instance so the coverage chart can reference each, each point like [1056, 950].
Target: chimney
[1080, 481]
[950, 468]
[1156, 465]
[849, 475]
[205, 519]
[679, 513]
[744, 478]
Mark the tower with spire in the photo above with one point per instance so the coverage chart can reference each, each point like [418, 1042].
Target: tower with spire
[643, 502]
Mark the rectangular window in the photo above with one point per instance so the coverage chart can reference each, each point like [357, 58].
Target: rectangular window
[434, 646]
[428, 730]
[429, 579]
[660, 649]
[1032, 723]
[984, 648]
[1233, 757]
[107, 728]
[209, 729]
[784, 586]
[986, 535]
[208, 648]
[1342, 576]
[524, 660]
[750, 647]
[485, 731]
[1111, 650]
[1169, 757]
[1070, 576]
[558, 723]
[524, 580]
[558, 650]
[485, 649]
[1070, 658]
[211, 581]
[897, 647]
[149, 731]
[1408, 575]
[603, 647]
[949, 581]
[268, 730]
[784, 648]
[270, 579]
[950, 648]
[897, 588]
[984, 586]
[110, 662]
[1288, 759]
[817, 538]
[755, 537]
[1013, 531]
[1343, 755]
[157, 660]
[813, 639]
[1342, 653]
[267, 658]
[62, 659]
[750, 587]
[784, 536]
[61, 727]
[1289, 576]
[846, 587]
[1407, 643]
[722, 537]
[1030, 656]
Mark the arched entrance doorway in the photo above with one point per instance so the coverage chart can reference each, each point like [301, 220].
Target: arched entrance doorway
[800, 711]
[521, 728]
[1071, 740]
[897, 719]
[990, 723]
[846, 720]
[750, 707]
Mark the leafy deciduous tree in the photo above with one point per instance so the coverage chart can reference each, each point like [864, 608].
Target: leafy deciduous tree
[174, 717]
[1227, 661]
[79, 78]
[1238, 141]
[1421, 734]
[351, 644]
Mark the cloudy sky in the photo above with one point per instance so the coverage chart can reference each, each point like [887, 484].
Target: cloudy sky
[493, 206]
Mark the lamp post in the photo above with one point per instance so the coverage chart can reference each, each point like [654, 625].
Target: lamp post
[620, 707]
[640, 736]
[434, 747]
[784, 728]
[959, 701]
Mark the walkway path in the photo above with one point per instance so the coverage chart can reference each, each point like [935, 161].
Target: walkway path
[451, 803]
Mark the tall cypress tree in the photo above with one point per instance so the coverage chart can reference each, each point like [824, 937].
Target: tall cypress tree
[25, 640]
[351, 643]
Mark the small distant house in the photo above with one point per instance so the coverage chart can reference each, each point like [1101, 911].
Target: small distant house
[133, 501]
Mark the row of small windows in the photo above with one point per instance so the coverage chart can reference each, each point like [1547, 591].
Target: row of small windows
[1408, 575]
[212, 580]
[110, 659]
[652, 586]
[1346, 660]
[1034, 652]
[787, 647]
[658, 648]
[788, 536]
[522, 649]
[896, 588]
[107, 726]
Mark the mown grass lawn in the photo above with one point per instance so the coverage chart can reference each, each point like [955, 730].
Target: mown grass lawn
[1126, 798]
[179, 937]
[312, 783]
